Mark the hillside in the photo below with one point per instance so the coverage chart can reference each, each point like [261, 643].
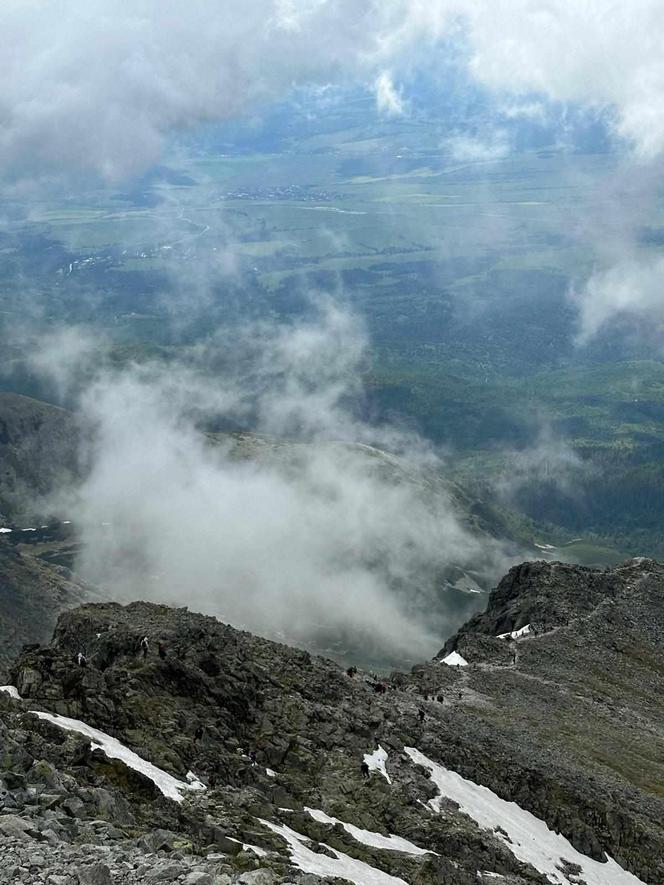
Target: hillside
[33, 592]
[39, 452]
[565, 722]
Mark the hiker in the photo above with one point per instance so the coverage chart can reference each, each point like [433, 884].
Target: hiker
[351, 671]
[252, 756]
[161, 651]
[421, 714]
[145, 645]
[380, 688]
[81, 660]
[198, 734]
[364, 768]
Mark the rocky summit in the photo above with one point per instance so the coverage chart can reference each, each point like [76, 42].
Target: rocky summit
[178, 749]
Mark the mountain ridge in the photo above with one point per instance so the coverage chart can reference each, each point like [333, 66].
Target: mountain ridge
[516, 723]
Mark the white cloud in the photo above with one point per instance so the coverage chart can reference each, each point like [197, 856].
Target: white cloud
[631, 289]
[316, 539]
[492, 146]
[388, 99]
[597, 53]
[548, 460]
[96, 85]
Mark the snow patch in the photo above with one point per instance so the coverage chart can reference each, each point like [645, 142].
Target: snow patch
[270, 773]
[170, 786]
[531, 841]
[340, 866]
[259, 852]
[5, 531]
[368, 837]
[516, 634]
[12, 691]
[194, 782]
[454, 659]
[376, 762]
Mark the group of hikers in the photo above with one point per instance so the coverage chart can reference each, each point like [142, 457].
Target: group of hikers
[378, 686]
[143, 650]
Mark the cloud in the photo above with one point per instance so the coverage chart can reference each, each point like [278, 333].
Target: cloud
[388, 99]
[549, 460]
[316, 539]
[491, 146]
[67, 357]
[632, 290]
[598, 53]
[96, 86]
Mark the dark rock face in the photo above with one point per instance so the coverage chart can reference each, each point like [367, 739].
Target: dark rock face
[38, 452]
[567, 722]
[543, 594]
[32, 595]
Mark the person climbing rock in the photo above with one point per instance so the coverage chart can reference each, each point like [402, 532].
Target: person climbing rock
[145, 646]
[161, 651]
[351, 671]
[421, 714]
[198, 734]
[81, 660]
[364, 769]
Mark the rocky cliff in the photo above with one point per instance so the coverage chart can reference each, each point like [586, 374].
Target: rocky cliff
[566, 721]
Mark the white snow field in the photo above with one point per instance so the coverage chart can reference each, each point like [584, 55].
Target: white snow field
[368, 837]
[454, 659]
[516, 634]
[12, 691]
[531, 839]
[341, 865]
[376, 762]
[170, 786]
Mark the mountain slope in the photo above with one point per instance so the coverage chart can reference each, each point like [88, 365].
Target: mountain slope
[39, 451]
[32, 594]
[536, 726]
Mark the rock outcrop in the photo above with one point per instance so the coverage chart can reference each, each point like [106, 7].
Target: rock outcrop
[567, 722]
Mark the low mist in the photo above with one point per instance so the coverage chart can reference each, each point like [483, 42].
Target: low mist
[316, 536]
